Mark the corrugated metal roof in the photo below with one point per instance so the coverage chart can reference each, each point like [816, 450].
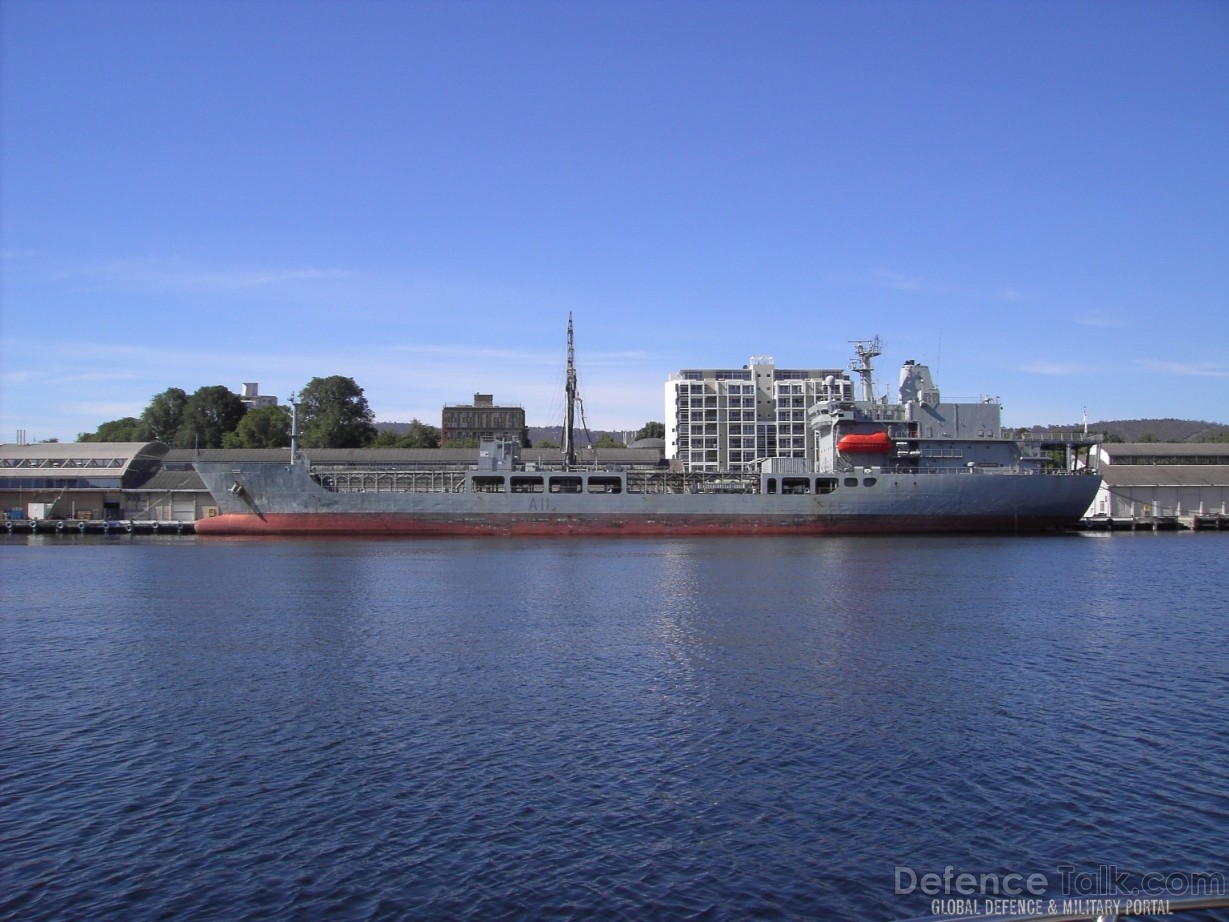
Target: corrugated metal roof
[1120, 452]
[173, 480]
[583, 455]
[188, 455]
[86, 450]
[395, 456]
[391, 455]
[327, 455]
[66, 461]
[1166, 475]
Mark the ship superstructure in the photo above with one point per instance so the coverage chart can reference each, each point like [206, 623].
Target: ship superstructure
[919, 433]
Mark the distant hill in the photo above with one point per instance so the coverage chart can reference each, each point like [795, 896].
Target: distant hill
[1154, 430]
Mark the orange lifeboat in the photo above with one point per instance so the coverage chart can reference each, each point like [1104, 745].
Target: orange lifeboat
[865, 443]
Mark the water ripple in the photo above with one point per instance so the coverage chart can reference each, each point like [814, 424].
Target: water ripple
[610, 730]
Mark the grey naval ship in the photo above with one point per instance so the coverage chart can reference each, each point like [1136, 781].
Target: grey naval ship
[918, 465]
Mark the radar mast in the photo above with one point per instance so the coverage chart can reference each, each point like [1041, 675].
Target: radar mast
[866, 349]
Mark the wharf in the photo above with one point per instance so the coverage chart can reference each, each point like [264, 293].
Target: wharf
[98, 527]
[1212, 522]
[1196, 522]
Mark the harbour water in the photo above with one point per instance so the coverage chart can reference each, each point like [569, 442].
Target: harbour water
[602, 729]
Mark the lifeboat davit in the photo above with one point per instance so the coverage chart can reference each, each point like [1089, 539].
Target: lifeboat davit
[865, 443]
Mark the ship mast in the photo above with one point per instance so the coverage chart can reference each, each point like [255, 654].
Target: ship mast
[569, 442]
[294, 429]
[867, 349]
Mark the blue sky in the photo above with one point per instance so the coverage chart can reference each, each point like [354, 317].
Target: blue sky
[1032, 197]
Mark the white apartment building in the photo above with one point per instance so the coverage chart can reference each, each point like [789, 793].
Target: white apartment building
[724, 419]
[253, 399]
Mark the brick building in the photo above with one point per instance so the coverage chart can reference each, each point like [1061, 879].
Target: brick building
[482, 419]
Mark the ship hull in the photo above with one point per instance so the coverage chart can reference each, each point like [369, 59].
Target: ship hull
[409, 525]
[268, 499]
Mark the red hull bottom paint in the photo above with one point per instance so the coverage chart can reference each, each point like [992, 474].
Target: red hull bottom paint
[378, 525]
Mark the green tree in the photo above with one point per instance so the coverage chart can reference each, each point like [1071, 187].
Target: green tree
[209, 414]
[263, 427]
[386, 439]
[418, 435]
[164, 415]
[650, 431]
[608, 441]
[422, 435]
[333, 413]
[128, 429]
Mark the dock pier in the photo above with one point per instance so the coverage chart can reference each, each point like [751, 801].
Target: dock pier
[98, 527]
[1196, 522]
